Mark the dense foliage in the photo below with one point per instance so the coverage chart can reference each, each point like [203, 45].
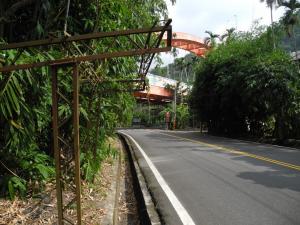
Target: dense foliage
[244, 87]
[152, 115]
[181, 69]
[25, 96]
[182, 115]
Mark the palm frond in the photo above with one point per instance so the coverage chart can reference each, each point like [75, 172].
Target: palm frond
[10, 96]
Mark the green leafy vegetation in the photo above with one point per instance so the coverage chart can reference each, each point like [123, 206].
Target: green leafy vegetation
[182, 69]
[245, 87]
[155, 115]
[25, 96]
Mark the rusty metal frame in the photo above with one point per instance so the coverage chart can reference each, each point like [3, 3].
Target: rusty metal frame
[96, 35]
[62, 148]
[84, 58]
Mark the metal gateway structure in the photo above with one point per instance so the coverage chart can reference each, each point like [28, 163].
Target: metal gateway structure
[143, 42]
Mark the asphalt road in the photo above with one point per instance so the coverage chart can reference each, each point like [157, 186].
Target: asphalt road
[221, 181]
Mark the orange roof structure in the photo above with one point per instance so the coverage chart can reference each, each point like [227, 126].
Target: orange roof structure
[189, 43]
[155, 94]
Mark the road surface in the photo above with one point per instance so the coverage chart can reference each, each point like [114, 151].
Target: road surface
[206, 180]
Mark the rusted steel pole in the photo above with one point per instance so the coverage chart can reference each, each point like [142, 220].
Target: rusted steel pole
[83, 37]
[55, 144]
[106, 55]
[76, 139]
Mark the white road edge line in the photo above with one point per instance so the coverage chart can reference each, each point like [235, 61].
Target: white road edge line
[180, 210]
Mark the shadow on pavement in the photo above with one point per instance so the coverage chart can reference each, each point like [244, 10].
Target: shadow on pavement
[269, 174]
[276, 176]
[273, 176]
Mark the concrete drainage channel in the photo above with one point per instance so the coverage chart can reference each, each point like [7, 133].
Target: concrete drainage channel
[146, 209]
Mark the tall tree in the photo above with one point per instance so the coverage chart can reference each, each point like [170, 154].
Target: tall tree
[211, 40]
[290, 18]
[271, 4]
[227, 35]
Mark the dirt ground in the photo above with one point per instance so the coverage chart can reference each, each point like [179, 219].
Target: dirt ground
[98, 200]
[128, 210]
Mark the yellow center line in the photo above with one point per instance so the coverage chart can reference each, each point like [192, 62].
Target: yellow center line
[284, 164]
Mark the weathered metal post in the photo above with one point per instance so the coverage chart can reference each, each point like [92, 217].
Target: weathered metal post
[76, 140]
[175, 105]
[56, 149]
[62, 167]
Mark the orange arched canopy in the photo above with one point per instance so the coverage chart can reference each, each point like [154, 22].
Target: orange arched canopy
[179, 40]
[189, 43]
[155, 94]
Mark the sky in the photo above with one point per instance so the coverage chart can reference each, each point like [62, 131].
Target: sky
[197, 16]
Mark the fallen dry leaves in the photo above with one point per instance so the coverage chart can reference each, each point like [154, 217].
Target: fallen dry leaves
[42, 208]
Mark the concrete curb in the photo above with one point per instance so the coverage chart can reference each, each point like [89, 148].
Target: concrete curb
[147, 211]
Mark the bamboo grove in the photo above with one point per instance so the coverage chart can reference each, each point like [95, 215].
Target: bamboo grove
[246, 88]
[26, 156]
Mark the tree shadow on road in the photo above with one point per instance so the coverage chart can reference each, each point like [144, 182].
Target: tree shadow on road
[268, 174]
[274, 176]
[274, 179]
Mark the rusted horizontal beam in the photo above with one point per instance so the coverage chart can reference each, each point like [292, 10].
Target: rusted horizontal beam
[127, 81]
[117, 81]
[123, 90]
[85, 58]
[83, 37]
